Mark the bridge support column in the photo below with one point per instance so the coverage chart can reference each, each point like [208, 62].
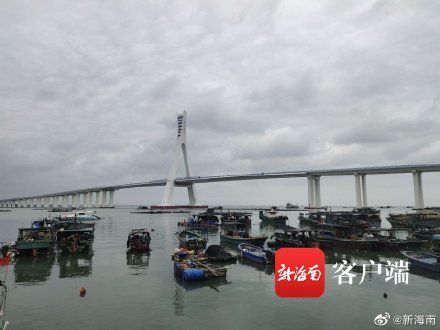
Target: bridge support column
[97, 196]
[110, 198]
[74, 200]
[361, 190]
[86, 199]
[364, 190]
[192, 195]
[89, 196]
[317, 190]
[311, 191]
[418, 190]
[357, 181]
[104, 198]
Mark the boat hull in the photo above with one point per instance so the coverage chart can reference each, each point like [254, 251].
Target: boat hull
[423, 260]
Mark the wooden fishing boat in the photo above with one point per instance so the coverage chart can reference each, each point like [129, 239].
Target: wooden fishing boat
[237, 237]
[272, 215]
[429, 218]
[292, 237]
[423, 260]
[74, 240]
[191, 240]
[201, 221]
[346, 237]
[236, 218]
[256, 253]
[190, 270]
[387, 239]
[34, 241]
[217, 253]
[359, 218]
[138, 241]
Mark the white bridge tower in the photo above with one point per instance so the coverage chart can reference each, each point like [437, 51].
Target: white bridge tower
[180, 149]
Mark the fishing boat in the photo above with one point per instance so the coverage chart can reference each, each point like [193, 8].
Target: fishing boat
[217, 253]
[346, 237]
[388, 240]
[429, 218]
[423, 260]
[342, 218]
[74, 240]
[190, 270]
[34, 241]
[366, 210]
[191, 240]
[292, 206]
[236, 218]
[427, 233]
[256, 253]
[79, 216]
[201, 221]
[42, 223]
[236, 237]
[272, 215]
[71, 225]
[138, 241]
[292, 237]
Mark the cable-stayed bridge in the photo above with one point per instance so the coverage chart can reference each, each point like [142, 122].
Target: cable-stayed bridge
[103, 196]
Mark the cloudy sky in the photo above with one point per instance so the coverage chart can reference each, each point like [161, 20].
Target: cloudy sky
[89, 92]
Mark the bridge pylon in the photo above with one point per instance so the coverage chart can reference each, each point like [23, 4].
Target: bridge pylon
[179, 150]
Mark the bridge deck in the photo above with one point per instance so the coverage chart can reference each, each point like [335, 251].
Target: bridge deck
[253, 176]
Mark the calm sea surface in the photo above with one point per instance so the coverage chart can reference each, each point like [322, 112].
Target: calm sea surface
[142, 293]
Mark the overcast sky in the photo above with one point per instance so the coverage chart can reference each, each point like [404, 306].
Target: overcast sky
[89, 92]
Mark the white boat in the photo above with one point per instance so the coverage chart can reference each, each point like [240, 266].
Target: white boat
[81, 216]
[271, 215]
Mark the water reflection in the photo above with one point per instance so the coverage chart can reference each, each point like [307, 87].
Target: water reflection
[33, 270]
[181, 286]
[75, 265]
[269, 228]
[267, 269]
[137, 260]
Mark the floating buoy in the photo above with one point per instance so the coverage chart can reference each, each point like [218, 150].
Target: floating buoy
[82, 291]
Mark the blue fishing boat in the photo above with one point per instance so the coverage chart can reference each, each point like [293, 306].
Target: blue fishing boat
[423, 260]
[256, 253]
[192, 270]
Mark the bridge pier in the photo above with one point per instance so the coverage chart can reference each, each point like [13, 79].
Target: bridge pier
[104, 198]
[110, 198]
[97, 196]
[311, 191]
[361, 190]
[418, 190]
[314, 191]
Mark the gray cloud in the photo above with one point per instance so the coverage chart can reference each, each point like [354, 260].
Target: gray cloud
[89, 91]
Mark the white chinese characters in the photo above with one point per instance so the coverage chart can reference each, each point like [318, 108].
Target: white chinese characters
[396, 271]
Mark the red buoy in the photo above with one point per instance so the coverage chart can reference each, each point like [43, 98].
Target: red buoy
[82, 291]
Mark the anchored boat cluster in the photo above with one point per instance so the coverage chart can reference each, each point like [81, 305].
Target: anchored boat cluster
[68, 233]
[357, 229]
